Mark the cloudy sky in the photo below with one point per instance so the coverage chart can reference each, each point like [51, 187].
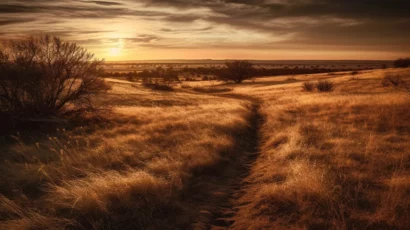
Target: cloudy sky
[218, 29]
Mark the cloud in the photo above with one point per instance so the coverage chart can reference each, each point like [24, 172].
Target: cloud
[105, 3]
[262, 24]
[15, 21]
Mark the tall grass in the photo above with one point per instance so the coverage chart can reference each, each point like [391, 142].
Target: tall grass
[128, 170]
[338, 161]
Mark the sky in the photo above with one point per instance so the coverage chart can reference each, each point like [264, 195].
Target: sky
[218, 29]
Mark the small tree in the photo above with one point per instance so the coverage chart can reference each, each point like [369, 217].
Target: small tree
[42, 76]
[237, 71]
[402, 63]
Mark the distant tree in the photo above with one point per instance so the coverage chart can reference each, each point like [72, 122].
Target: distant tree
[170, 75]
[237, 71]
[402, 63]
[41, 76]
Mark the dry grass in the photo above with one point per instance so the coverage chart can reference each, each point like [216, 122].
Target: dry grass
[338, 160]
[334, 161]
[127, 170]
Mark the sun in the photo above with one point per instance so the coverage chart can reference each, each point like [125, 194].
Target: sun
[114, 51]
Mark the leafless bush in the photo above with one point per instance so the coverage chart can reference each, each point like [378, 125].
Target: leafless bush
[325, 86]
[392, 79]
[42, 76]
[308, 86]
[158, 86]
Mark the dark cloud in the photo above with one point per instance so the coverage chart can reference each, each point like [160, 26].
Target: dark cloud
[315, 24]
[143, 38]
[178, 30]
[15, 21]
[105, 3]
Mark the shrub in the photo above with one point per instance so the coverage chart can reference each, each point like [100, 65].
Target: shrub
[308, 86]
[130, 78]
[43, 76]
[392, 79]
[325, 86]
[236, 71]
[212, 90]
[158, 86]
[402, 63]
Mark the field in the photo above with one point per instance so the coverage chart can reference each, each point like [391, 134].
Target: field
[178, 64]
[259, 155]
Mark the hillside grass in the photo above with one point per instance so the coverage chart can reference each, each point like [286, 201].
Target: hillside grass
[127, 170]
[337, 160]
[326, 160]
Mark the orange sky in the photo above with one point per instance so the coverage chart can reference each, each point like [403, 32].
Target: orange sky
[217, 29]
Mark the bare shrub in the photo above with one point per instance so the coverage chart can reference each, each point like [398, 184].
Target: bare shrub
[308, 86]
[236, 71]
[325, 86]
[158, 86]
[42, 76]
[392, 79]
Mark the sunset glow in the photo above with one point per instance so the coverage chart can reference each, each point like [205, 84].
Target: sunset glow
[191, 29]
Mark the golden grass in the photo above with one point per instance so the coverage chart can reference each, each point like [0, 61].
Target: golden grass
[329, 160]
[125, 170]
[337, 160]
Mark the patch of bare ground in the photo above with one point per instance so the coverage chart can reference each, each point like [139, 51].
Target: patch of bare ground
[214, 193]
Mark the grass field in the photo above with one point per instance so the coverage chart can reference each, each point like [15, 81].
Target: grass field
[258, 155]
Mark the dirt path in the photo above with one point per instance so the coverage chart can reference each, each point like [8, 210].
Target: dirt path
[216, 191]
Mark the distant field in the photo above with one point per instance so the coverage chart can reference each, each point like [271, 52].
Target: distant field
[259, 155]
[179, 64]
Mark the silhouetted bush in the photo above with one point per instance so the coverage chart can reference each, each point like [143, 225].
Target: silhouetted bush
[237, 71]
[43, 76]
[212, 89]
[325, 86]
[158, 86]
[392, 79]
[308, 86]
[402, 63]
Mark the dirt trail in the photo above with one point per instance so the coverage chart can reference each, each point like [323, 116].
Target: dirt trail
[218, 190]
